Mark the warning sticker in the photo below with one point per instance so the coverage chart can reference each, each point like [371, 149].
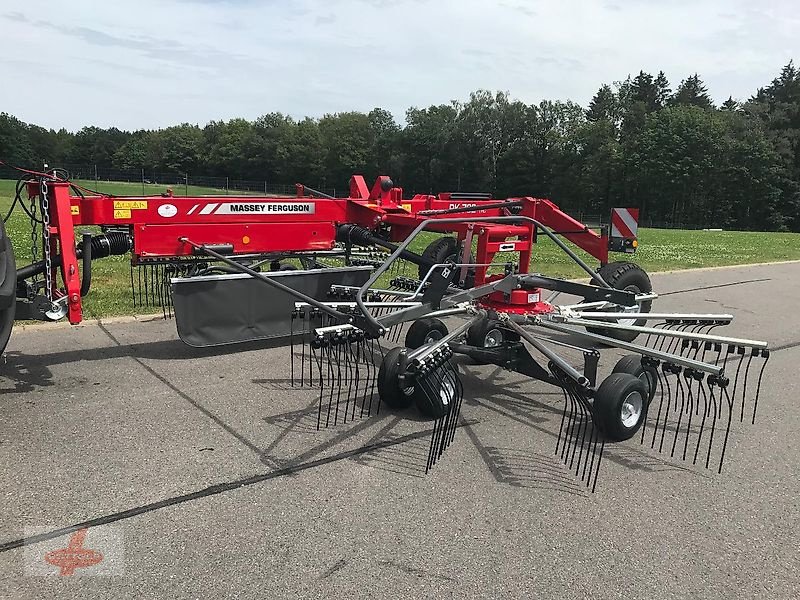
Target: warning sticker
[75, 210]
[272, 208]
[123, 213]
[130, 205]
[406, 207]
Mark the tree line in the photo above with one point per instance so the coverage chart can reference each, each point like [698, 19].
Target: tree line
[672, 153]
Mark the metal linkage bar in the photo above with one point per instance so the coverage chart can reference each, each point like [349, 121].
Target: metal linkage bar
[701, 337]
[606, 294]
[553, 357]
[654, 316]
[644, 350]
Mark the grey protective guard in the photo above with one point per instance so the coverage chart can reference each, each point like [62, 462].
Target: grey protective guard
[214, 310]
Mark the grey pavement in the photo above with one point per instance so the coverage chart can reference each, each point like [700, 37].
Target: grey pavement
[206, 473]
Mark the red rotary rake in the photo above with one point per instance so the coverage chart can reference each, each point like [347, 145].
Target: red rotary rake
[228, 267]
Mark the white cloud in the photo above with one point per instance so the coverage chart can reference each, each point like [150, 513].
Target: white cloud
[158, 62]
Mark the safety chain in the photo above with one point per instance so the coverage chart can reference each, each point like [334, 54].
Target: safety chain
[48, 263]
[35, 240]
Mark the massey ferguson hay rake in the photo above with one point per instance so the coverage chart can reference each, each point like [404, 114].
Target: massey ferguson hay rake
[372, 322]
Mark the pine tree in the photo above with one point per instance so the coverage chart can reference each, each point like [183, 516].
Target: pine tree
[730, 105]
[692, 92]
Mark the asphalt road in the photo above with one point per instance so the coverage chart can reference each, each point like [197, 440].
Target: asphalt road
[201, 475]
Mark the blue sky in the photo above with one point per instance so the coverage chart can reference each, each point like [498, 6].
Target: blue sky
[153, 63]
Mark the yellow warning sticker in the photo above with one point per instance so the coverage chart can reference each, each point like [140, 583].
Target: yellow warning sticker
[75, 210]
[406, 207]
[122, 213]
[130, 204]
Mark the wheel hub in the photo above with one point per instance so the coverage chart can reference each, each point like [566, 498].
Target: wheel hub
[631, 410]
[433, 336]
[493, 339]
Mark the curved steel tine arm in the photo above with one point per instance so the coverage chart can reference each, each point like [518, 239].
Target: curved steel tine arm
[415, 312]
[652, 316]
[671, 333]
[643, 350]
[604, 304]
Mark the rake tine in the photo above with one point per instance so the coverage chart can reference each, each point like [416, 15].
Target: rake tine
[375, 376]
[439, 423]
[583, 435]
[679, 386]
[717, 412]
[338, 360]
[432, 383]
[701, 390]
[744, 387]
[321, 386]
[662, 386]
[570, 425]
[689, 411]
[367, 387]
[654, 363]
[331, 378]
[434, 434]
[449, 374]
[666, 413]
[599, 459]
[765, 354]
[730, 403]
[458, 402]
[581, 426]
[740, 352]
[563, 418]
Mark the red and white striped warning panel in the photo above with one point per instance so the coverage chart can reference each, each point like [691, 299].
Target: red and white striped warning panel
[624, 222]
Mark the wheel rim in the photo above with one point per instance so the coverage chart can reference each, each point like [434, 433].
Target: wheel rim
[433, 336]
[631, 410]
[493, 338]
[629, 309]
[447, 391]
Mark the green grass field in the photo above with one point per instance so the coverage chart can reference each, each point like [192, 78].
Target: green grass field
[660, 250]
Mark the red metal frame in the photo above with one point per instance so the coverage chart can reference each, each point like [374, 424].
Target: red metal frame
[256, 225]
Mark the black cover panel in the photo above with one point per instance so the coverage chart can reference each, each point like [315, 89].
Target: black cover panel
[229, 309]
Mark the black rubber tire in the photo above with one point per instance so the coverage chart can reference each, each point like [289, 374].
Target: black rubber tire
[389, 389]
[625, 276]
[632, 365]
[447, 249]
[8, 279]
[425, 331]
[608, 405]
[476, 335]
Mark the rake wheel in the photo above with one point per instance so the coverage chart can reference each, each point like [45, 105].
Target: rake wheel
[632, 364]
[425, 331]
[389, 388]
[619, 406]
[629, 277]
[489, 333]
